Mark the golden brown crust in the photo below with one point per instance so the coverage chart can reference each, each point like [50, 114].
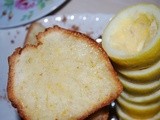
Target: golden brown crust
[14, 58]
[10, 90]
[101, 114]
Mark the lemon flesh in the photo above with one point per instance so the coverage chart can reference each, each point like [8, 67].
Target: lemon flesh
[141, 99]
[139, 111]
[143, 75]
[134, 33]
[132, 38]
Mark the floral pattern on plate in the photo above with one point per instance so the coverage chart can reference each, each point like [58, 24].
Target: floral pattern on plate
[18, 12]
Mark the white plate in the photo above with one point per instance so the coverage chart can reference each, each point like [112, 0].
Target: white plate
[90, 24]
[19, 12]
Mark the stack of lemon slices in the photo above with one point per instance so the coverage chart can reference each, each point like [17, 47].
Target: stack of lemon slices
[132, 41]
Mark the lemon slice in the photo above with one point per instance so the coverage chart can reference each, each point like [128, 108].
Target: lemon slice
[141, 99]
[139, 88]
[123, 116]
[143, 75]
[138, 110]
[132, 38]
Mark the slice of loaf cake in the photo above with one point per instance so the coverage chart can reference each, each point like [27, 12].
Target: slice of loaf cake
[67, 76]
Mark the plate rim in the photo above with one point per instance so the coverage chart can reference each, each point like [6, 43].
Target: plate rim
[55, 3]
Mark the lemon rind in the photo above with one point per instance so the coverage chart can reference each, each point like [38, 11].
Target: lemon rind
[123, 116]
[136, 110]
[139, 88]
[141, 99]
[147, 74]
